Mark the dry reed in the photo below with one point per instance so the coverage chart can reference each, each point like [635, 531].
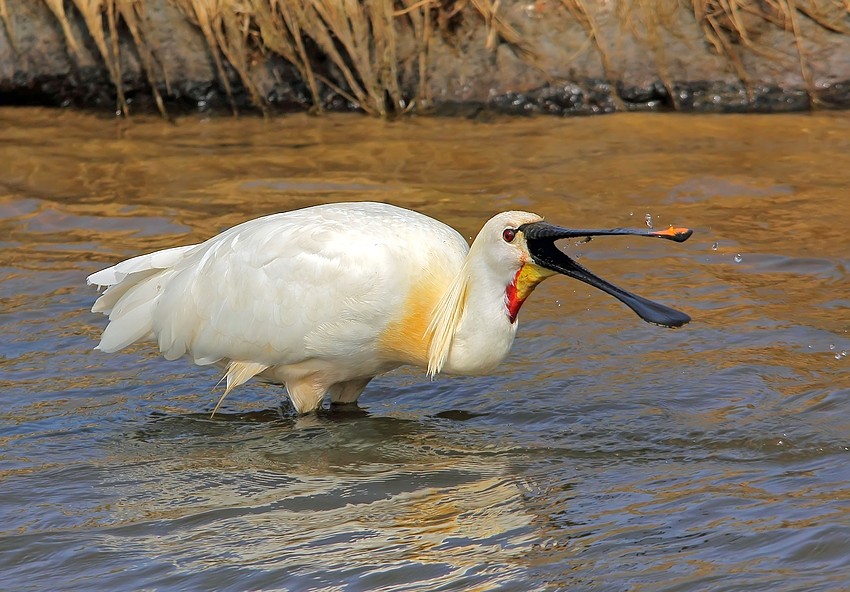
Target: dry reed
[371, 43]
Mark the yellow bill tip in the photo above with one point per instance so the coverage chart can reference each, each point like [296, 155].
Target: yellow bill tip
[677, 234]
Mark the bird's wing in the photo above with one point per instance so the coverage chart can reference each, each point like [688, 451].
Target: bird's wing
[318, 283]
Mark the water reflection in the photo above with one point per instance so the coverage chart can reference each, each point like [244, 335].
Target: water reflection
[368, 497]
[605, 453]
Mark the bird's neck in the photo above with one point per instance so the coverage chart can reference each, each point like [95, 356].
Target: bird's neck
[474, 324]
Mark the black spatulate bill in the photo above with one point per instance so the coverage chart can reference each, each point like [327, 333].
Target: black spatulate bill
[541, 236]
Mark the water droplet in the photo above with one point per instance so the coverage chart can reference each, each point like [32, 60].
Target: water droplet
[648, 220]
[714, 247]
[738, 258]
[831, 346]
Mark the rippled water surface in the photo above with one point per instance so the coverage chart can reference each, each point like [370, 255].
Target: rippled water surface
[605, 454]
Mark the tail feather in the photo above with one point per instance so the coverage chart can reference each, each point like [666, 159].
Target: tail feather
[107, 301]
[133, 287]
[126, 330]
[118, 272]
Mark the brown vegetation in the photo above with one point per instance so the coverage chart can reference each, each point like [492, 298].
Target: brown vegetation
[371, 46]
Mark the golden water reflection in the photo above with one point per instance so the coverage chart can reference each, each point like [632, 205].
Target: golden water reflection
[605, 449]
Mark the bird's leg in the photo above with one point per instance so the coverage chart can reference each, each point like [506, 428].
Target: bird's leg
[306, 393]
[344, 393]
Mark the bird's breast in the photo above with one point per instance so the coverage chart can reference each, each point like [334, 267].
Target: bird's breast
[404, 338]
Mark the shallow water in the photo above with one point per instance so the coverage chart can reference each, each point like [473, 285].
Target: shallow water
[606, 454]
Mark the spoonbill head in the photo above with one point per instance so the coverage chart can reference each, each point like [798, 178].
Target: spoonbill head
[324, 299]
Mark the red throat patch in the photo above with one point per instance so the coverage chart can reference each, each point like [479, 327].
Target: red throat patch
[526, 279]
[513, 301]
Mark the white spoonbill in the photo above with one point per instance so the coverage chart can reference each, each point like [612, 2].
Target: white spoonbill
[323, 299]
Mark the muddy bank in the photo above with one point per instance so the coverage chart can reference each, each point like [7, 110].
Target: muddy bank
[566, 57]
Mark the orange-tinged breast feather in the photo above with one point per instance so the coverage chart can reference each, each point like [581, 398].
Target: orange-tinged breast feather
[404, 339]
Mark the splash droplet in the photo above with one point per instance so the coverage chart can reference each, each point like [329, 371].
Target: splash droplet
[843, 353]
[831, 346]
[738, 258]
[714, 247]
[837, 356]
[648, 220]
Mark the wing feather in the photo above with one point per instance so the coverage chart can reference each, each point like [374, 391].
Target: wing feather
[321, 283]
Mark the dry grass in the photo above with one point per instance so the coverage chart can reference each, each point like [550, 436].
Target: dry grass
[101, 18]
[360, 39]
[734, 25]
[371, 44]
[7, 22]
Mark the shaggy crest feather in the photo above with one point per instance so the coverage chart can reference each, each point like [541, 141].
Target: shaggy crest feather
[446, 319]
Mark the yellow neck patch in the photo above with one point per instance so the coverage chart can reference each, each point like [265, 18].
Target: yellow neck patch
[525, 280]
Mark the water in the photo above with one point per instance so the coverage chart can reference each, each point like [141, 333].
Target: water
[606, 454]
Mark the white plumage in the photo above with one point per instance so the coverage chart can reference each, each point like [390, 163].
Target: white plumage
[325, 298]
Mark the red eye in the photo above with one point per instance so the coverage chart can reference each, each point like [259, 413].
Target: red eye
[509, 234]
